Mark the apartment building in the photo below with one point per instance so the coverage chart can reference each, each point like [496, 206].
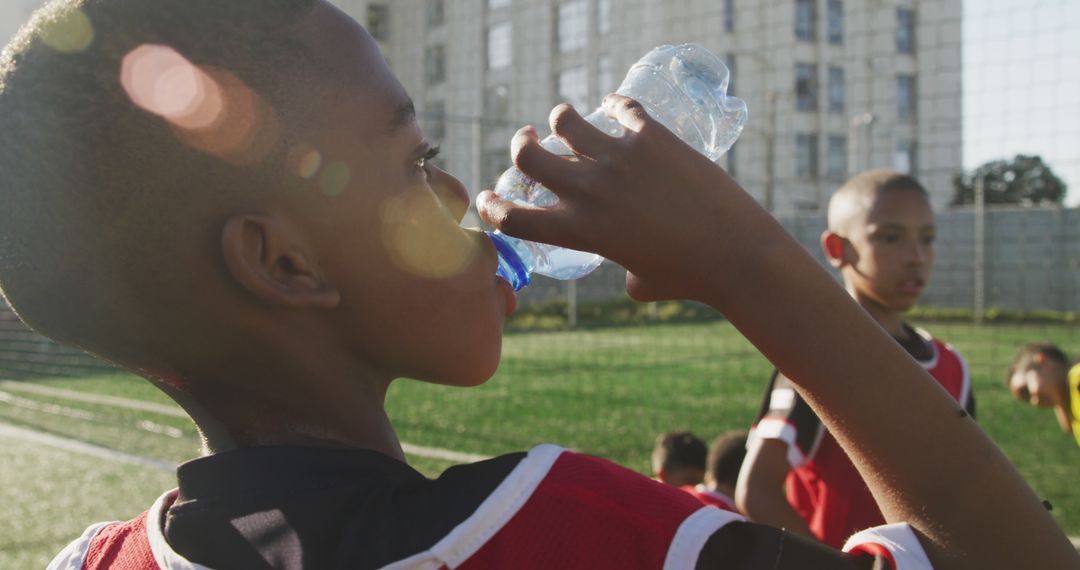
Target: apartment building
[833, 86]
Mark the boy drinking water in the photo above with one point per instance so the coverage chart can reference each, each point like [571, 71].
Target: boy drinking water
[276, 249]
[881, 237]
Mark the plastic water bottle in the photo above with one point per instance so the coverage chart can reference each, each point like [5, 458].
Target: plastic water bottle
[683, 87]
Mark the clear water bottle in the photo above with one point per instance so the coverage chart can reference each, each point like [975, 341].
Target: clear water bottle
[683, 87]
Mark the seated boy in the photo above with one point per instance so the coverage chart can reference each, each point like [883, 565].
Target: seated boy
[1040, 375]
[234, 200]
[678, 459]
[880, 237]
[721, 471]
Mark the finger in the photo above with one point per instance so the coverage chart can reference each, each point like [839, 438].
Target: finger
[527, 222]
[538, 163]
[582, 137]
[627, 111]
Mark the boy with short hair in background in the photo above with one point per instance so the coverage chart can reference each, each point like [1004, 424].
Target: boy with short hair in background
[1040, 375]
[678, 459]
[722, 471]
[880, 237]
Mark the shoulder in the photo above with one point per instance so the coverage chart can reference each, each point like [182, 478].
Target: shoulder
[112, 544]
[558, 508]
[948, 367]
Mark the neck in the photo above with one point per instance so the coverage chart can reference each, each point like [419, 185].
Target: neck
[313, 404]
[890, 319]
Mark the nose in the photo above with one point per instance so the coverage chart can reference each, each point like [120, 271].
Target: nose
[919, 253]
[450, 191]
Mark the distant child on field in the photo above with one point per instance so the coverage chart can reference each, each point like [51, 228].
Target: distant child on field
[678, 459]
[1040, 375]
[721, 471]
[234, 200]
[880, 237]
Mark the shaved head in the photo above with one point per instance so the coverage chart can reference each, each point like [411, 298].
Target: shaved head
[127, 127]
[851, 202]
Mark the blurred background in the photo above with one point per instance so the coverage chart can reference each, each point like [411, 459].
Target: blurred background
[979, 99]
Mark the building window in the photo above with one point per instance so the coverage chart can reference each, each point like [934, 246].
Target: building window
[905, 96]
[905, 30]
[729, 15]
[499, 54]
[805, 87]
[806, 156]
[436, 13]
[836, 89]
[836, 165]
[573, 88]
[434, 120]
[729, 61]
[605, 75]
[805, 20]
[378, 21]
[904, 157]
[497, 102]
[435, 64]
[573, 25]
[836, 21]
[603, 16]
[495, 4]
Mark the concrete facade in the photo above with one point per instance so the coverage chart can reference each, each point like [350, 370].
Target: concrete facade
[475, 106]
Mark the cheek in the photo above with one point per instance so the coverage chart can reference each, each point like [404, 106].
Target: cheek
[421, 237]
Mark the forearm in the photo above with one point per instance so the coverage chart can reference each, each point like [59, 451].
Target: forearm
[940, 473]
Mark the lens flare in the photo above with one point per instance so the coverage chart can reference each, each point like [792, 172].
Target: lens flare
[304, 161]
[423, 237]
[209, 109]
[69, 32]
[335, 178]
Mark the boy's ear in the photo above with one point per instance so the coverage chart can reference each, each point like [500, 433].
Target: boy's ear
[835, 248]
[267, 259]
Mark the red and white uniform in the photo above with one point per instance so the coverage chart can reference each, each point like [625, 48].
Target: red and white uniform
[711, 497]
[552, 509]
[823, 486]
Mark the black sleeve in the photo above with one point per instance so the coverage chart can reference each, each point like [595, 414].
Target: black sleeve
[786, 416]
[750, 546]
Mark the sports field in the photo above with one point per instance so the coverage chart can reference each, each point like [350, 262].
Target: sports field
[605, 391]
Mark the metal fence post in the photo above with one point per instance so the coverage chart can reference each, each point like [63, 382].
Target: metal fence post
[980, 251]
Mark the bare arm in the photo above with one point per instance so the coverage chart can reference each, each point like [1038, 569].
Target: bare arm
[684, 229]
[759, 493]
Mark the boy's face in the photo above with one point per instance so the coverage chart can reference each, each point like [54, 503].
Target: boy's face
[1038, 380]
[890, 250]
[419, 297]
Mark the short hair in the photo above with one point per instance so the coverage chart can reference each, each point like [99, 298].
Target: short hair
[94, 187]
[858, 193]
[678, 450]
[1029, 351]
[726, 456]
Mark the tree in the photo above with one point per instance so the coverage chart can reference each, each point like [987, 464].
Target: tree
[1024, 180]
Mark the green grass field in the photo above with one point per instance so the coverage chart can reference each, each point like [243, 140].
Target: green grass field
[605, 391]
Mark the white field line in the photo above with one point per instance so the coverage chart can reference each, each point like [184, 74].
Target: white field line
[76, 446]
[177, 411]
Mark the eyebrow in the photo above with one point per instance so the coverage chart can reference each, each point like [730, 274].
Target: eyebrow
[404, 115]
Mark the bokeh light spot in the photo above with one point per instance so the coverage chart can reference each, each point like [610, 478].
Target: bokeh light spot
[210, 109]
[335, 178]
[422, 236]
[70, 32]
[304, 161]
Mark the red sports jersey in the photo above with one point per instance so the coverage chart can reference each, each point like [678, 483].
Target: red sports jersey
[710, 497]
[551, 509]
[823, 486]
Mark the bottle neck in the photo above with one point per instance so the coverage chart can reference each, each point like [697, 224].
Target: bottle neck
[511, 266]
